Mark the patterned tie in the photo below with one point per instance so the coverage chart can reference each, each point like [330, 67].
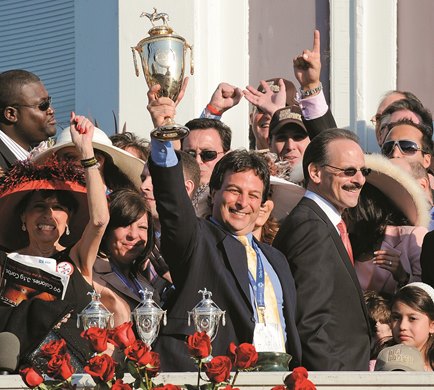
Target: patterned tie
[345, 239]
[271, 313]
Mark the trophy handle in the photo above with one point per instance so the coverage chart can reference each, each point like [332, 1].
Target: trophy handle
[191, 57]
[136, 68]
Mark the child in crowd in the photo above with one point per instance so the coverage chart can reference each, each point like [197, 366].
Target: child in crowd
[381, 323]
[413, 319]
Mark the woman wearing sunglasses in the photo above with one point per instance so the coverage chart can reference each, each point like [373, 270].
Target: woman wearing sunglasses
[387, 227]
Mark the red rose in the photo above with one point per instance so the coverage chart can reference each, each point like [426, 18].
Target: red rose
[229, 387]
[122, 336]
[97, 338]
[31, 377]
[244, 356]
[166, 387]
[153, 367]
[280, 387]
[218, 369]
[101, 368]
[199, 345]
[138, 352]
[120, 385]
[59, 367]
[297, 380]
[55, 347]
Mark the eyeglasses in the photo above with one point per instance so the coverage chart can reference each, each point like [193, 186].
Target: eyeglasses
[205, 155]
[43, 106]
[375, 119]
[350, 172]
[406, 147]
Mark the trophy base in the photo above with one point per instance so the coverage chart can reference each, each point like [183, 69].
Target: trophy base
[171, 132]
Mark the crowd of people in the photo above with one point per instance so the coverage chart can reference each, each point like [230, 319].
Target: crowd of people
[311, 246]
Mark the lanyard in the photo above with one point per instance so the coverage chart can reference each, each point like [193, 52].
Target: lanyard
[258, 285]
[135, 286]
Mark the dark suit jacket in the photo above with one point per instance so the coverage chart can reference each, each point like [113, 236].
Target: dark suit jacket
[427, 259]
[331, 315]
[201, 254]
[315, 126]
[7, 158]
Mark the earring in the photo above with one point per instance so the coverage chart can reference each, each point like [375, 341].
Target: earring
[23, 227]
[67, 232]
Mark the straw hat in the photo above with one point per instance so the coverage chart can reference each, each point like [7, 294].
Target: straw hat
[126, 162]
[400, 187]
[285, 196]
[26, 177]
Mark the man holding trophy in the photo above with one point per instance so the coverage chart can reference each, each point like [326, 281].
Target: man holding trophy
[251, 281]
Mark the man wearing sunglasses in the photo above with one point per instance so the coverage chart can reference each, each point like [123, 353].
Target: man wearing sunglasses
[409, 140]
[331, 314]
[26, 117]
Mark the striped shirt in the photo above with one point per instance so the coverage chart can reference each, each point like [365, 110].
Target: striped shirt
[18, 151]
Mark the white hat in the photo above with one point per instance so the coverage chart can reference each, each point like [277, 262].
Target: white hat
[400, 187]
[285, 196]
[126, 162]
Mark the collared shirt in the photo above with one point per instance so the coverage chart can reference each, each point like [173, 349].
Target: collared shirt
[17, 150]
[333, 215]
[163, 155]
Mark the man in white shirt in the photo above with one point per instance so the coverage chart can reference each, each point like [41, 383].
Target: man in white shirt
[331, 315]
[26, 116]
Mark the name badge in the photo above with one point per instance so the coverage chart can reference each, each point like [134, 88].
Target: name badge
[267, 338]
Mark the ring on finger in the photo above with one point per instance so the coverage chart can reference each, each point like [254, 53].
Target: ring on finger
[390, 263]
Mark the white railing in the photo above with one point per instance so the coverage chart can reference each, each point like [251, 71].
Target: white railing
[266, 380]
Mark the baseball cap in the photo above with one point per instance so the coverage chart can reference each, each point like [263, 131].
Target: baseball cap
[284, 116]
[291, 91]
[400, 357]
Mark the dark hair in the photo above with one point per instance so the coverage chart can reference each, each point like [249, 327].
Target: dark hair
[114, 178]
[126, 206]
[419, 300]
[414, 105]
[368, 220]
[129, 140]
[239, 161]
[11, 82]
[378, 311]
[427, 143]
[65, 198]
[191, 170]
[223, 130]
[316, 151]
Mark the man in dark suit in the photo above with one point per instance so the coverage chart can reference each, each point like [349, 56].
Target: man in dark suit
[331, 315]
[26, 115]
[207, 254]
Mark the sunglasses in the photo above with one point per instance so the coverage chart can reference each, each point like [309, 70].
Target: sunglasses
[350, 172]
[406, 147]
[205, 155]
[43, 106]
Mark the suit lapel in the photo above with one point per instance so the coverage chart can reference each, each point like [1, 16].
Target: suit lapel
[237, 259]
[8, 156]
[341, 249]
[103, 268]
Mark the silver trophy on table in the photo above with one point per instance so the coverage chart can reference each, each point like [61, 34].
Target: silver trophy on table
[162, 55]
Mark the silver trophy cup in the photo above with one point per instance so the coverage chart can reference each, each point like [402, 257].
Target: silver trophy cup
[162, 56]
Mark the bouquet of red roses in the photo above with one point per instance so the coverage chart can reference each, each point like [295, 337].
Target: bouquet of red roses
[218, 368]
[138, 360]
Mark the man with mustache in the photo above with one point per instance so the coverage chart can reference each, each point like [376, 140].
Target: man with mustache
[331, 315]
[26, 115]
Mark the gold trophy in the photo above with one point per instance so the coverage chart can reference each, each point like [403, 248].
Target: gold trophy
[163, 62]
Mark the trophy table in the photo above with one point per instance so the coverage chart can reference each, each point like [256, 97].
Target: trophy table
[162, 55]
